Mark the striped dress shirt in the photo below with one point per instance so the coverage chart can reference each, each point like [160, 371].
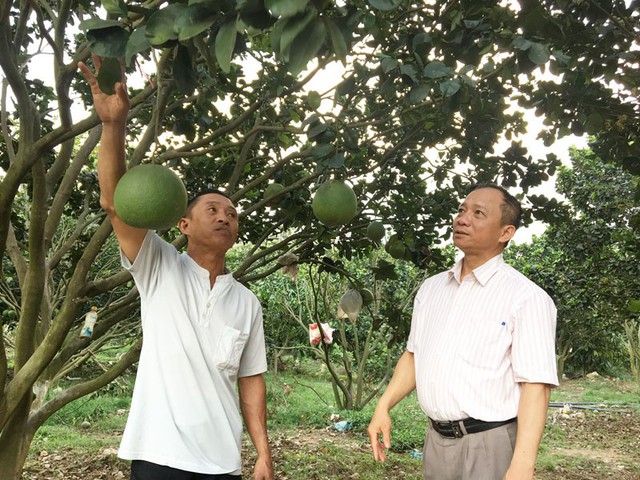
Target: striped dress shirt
[475, 340]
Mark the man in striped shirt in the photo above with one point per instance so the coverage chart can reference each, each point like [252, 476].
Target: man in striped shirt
[481, 355]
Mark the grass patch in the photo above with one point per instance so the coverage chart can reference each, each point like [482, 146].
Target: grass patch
[301, 412]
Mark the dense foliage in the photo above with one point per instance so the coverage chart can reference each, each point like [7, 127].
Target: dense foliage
[588, 263]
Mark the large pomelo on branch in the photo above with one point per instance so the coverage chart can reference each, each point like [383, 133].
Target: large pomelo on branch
[272, 194]
[375, 231]
[334, 203]
[150, 196]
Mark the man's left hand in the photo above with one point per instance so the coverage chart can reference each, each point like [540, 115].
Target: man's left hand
[515, 473]
[263, 469]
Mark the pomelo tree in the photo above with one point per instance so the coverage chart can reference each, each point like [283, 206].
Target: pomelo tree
[588, 262]
[231, 94]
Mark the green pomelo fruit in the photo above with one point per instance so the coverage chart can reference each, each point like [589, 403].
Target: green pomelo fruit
[367, 296]
[334, 203]
[375, 231]
[396, 248]
[272, 191]
[150, 196]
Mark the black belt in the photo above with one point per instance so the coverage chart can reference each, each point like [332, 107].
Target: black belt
[455, 429]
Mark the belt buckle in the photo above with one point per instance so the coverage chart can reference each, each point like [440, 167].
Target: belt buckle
[457, 431]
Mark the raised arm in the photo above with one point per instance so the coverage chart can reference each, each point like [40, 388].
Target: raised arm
[113, 110]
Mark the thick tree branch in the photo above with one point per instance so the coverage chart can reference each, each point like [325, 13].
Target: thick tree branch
[69, 183]
[34, 283]
[77, 391]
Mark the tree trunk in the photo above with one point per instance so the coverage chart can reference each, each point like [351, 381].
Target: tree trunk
[15, 441]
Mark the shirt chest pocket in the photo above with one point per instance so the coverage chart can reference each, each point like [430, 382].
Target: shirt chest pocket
[229, 352]
[484, 347]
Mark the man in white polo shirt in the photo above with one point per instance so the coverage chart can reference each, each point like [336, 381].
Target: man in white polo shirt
[481, 355]
[203, 333]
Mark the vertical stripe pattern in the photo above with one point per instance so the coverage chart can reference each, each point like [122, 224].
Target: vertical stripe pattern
[475, 340]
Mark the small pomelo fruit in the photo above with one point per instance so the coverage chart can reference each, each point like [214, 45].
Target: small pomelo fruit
[150, 196]
[334, 203]
[375, 231]
[396, 248]
[271, 191]
[367, 296]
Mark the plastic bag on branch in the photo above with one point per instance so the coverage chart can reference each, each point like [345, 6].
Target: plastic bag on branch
[350, 305]
[314, 333]
[289, 262]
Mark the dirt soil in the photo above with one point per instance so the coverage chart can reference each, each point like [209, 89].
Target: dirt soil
[598, 446]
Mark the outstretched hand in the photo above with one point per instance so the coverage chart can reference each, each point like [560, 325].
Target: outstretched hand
[380, 426]
[110, 108]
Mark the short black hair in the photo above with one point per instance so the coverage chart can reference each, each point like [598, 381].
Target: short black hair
[192, 201]
[511, 208]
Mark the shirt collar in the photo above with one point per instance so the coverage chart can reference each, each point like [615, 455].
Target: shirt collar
[227, 276]
[483, 273]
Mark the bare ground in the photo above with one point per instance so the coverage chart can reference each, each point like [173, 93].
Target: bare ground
[596, 446]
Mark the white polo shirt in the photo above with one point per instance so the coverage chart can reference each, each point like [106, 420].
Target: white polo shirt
[197, 341]
[475, 340]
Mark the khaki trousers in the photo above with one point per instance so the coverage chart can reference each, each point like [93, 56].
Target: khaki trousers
[477, 456]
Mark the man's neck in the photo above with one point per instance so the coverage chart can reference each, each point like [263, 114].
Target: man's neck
[213, 262]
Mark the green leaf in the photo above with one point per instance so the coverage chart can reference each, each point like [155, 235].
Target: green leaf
[418, 93]
[302, 52]
[437, 69]
[388, 64]
[316, 129]
[337, 161]
[322, 151]
[138, 42]
[291, 28]
[410, 71]
[337, 40]
[285, 8]
[450, 87]
[521, 43]
[385, 5]
[594, 123]
[538, 53]
[183, 72]
[98, 23]
[115, 7]
[161, 25]
[225, 41]
[634, 306]
[194, 20]
[110, 73]
[314, 100]
[108, 42]
[384, 271]
[255, 14]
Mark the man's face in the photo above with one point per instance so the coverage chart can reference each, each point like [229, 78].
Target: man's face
[477, 228]
[213, 221]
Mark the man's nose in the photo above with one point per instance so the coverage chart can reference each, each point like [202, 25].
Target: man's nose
[462, 218]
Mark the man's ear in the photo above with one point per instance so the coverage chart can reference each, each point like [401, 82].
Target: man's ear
[183, 225]
[508, 232]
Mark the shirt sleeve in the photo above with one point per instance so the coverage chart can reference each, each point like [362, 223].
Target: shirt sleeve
[418, 302]
[155, 258]
[254, 355]
[534, 332]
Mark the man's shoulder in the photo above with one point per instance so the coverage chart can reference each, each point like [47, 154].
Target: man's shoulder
[520, 283]
[243, 291]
